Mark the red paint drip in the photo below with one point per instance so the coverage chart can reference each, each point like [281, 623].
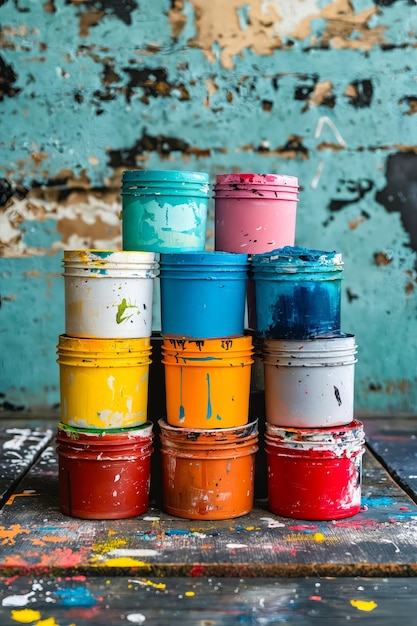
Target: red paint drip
[197, 570]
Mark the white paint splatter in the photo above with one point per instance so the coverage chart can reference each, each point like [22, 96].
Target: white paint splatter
[134, 552]
[21, 600]
[233, 546]
[290, 13]
[136, 618]
[149, 518]
[272, 523]
[317, 175]
[324, 120]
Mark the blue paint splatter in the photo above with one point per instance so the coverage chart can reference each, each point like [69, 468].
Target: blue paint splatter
[209, 410]
[182, 409]
[146, 536]
[372, 502]
[76, 596]
[218, 417]
[179, 532]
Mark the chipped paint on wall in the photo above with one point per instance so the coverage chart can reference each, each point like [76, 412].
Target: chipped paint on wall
[324, 91]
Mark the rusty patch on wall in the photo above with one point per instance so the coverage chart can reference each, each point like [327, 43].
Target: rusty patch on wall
[263, 27]
[85, 217]
[153, 82]
[164, 145]
[90, 14]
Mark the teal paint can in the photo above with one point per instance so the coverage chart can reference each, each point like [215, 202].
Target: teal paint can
[164, 211]
[297, 293]
[203, 294]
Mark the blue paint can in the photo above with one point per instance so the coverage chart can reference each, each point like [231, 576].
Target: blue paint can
[164, 211]
[297, 293]
[203, 294]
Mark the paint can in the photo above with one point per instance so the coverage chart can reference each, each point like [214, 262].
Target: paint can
[314, 474]
[203, 294]
[103, 382]
[164, 211]
[207, 382]
[254, 213]
[297, 293]
[309, 383]
[208, 474]
[104, 475]
[108, 294]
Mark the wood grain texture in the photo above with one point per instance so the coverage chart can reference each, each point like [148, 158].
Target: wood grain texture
[394, 442]
[37, 539]
[117, 601]
[20, 446]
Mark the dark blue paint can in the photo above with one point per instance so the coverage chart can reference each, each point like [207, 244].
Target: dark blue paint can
[297, 293]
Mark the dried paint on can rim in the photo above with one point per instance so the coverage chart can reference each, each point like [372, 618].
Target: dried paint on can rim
[315, 474]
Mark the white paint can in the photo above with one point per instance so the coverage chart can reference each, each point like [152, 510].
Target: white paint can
[309, 383]
[108, 293]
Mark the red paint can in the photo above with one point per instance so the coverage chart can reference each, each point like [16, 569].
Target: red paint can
[315, 474]
[104, 474]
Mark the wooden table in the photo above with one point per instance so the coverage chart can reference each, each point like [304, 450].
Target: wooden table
[157, 569]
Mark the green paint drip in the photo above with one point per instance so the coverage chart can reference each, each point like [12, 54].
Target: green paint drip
[120, 317]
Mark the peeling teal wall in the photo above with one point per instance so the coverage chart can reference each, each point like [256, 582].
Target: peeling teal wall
[327, 92]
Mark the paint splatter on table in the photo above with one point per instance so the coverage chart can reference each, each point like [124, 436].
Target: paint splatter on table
[153, 569]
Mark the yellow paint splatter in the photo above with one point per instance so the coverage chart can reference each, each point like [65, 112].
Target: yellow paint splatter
[149, 583]
[123, 561]
[189, 593]
[364, 605]
[318, 537]
[108, 545]
[25, 616]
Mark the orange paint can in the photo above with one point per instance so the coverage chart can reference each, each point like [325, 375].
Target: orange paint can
[208, 474]
[207, 381]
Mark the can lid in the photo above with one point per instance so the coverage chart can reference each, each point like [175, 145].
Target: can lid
[204, 258]
[164, 176]
[257, 179]
[93, 433]
[299, 256]
[336, 438]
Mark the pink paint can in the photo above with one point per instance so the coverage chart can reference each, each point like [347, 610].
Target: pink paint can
[314, 474]
[254, 213]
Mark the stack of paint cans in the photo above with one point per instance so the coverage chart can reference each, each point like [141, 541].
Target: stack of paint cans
[254, 214]
[313, 444]
[104, 438]
[208, 446]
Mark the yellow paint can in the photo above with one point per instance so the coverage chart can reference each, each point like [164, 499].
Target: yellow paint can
[103, 382]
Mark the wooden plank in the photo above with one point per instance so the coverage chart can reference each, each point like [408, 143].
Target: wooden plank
[36, 539]
[118, 601]
[394, 442]
[20, 446]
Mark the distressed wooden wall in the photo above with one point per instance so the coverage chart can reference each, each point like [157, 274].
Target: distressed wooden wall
[324, 90]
